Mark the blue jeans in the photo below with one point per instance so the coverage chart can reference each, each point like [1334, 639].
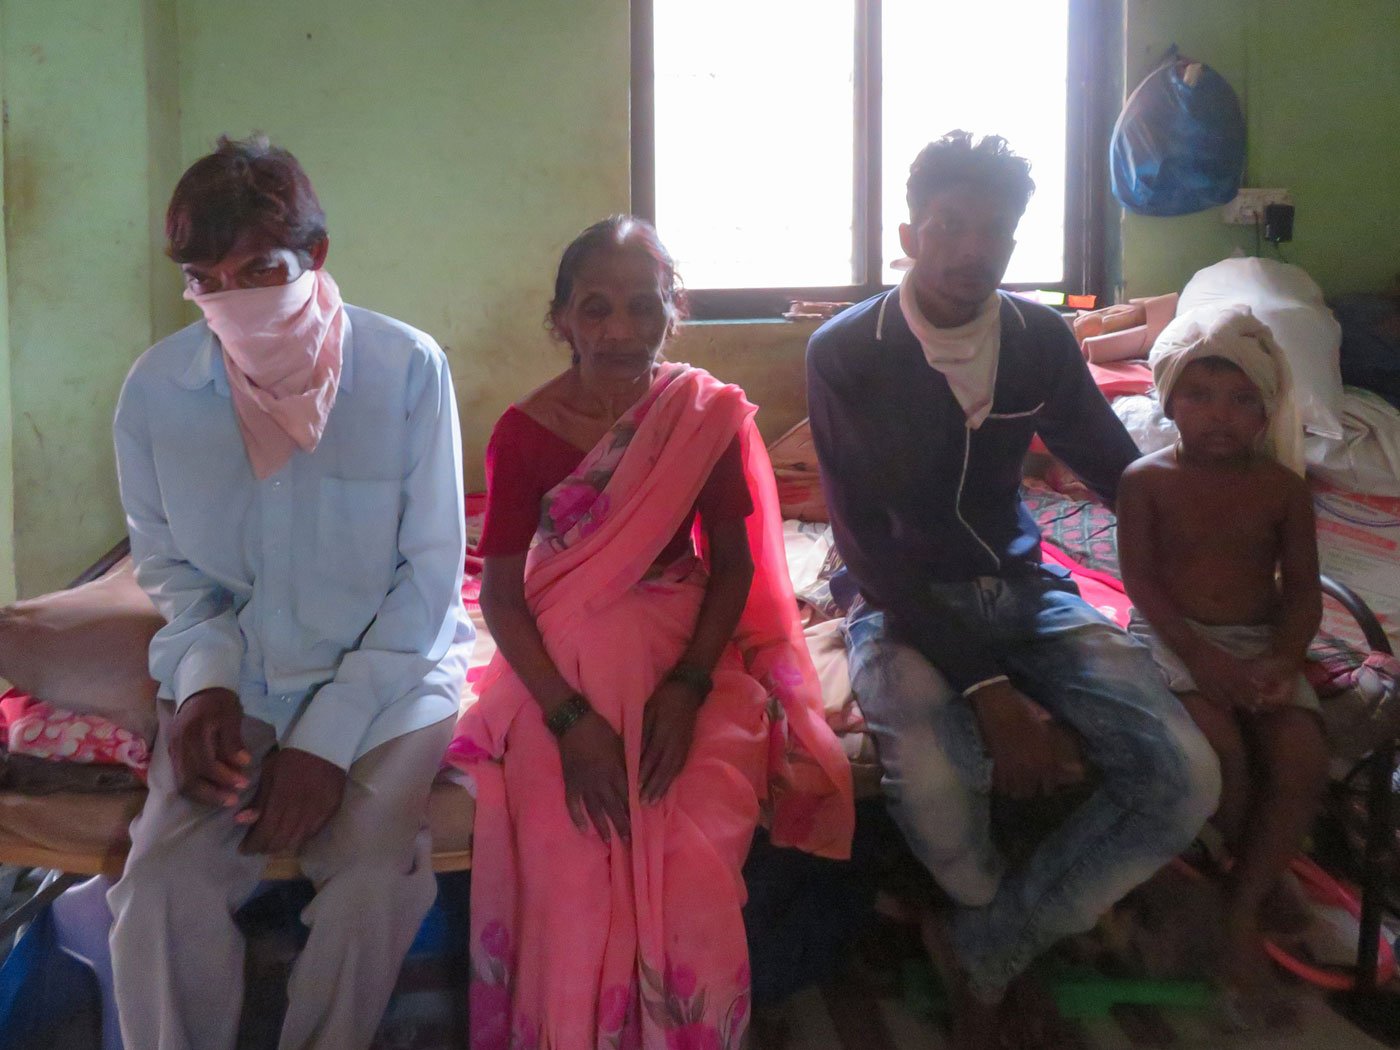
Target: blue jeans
[1158, 777]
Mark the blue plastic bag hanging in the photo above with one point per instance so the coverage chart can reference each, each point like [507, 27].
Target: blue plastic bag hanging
[1178, 146]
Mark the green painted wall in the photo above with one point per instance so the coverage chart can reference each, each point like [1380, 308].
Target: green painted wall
[1320, 84]
[7, 474]
[457, 148]
[78, 233]
[458, 145]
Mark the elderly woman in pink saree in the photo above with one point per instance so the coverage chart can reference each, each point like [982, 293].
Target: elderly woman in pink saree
[650, 704]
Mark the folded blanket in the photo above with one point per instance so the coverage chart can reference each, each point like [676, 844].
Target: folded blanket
[30, 727]
[1125, 331]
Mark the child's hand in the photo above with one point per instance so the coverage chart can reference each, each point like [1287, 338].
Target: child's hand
[1224, 680]
[1273, 677]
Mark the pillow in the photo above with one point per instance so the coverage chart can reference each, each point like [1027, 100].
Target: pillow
[84, 650]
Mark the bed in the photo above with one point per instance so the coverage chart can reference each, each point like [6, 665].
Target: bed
[76, 835]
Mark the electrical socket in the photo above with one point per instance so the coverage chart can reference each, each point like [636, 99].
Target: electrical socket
[1247, 209]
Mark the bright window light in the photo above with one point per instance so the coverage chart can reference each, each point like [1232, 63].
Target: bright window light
[991, 69]
[755, 140]
[754, 131]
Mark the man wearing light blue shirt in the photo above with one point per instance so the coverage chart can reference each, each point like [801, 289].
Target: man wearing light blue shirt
[291, 471]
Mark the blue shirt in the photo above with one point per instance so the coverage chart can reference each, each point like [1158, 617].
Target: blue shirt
[918, 497]
[327, 596]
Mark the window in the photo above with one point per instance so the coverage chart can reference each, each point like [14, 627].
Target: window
[772, 138]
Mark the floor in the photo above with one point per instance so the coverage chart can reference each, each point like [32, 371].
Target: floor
[884, 999]
[833, 1019]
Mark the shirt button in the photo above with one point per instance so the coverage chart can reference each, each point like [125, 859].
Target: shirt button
[277, 484]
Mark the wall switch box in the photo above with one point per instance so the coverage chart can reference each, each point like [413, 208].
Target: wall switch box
[1278, 223]
[1247, 209]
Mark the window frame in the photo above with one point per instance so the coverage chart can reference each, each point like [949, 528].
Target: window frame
[1087, 126]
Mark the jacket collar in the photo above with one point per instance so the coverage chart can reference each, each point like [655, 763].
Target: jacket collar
[207, 364]
[890, 325]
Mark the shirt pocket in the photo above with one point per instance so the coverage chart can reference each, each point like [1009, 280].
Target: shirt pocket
[1014, 425]
[356, 555]
[1013, 415]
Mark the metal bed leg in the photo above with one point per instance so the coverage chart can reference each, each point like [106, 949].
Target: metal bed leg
[1374, 1010]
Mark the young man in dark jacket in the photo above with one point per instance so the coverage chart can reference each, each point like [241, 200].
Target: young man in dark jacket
[923, 404]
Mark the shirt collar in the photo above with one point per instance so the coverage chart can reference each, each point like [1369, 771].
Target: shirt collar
[207, 364]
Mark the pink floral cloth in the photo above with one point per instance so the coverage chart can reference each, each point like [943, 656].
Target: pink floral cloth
[32, 727]
[579, 942]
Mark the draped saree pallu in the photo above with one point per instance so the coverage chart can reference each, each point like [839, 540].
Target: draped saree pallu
[579, 942]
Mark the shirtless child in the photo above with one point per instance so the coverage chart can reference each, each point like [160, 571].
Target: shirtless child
[1219, 556]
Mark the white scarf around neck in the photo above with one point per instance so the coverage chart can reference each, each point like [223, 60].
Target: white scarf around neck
[966, 355]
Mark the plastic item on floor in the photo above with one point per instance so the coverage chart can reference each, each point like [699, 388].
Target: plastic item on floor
[1327, 891]
[82, 922]
[1324, 890]
[48, 998]
[1079, 992]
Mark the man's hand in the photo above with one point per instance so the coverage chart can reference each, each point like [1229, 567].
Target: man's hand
[298, 793]
[206, 748]
[595, 776]
[668, 726]
[1224, 680]
[1017, 734]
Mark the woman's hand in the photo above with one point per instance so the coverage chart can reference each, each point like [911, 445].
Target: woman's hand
[595, 776]
[668, 726]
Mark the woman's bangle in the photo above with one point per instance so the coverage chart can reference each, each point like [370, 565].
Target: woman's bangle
[693, 678]
[565, 715]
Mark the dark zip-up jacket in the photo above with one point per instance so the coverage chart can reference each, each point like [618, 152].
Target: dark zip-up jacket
[915, 496]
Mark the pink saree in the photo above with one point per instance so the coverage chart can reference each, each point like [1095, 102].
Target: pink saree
[580, 943]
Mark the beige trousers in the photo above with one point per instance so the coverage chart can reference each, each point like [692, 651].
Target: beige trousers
[177, 955]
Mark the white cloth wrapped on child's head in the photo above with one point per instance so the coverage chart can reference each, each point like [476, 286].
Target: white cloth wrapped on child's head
[1239, 337]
